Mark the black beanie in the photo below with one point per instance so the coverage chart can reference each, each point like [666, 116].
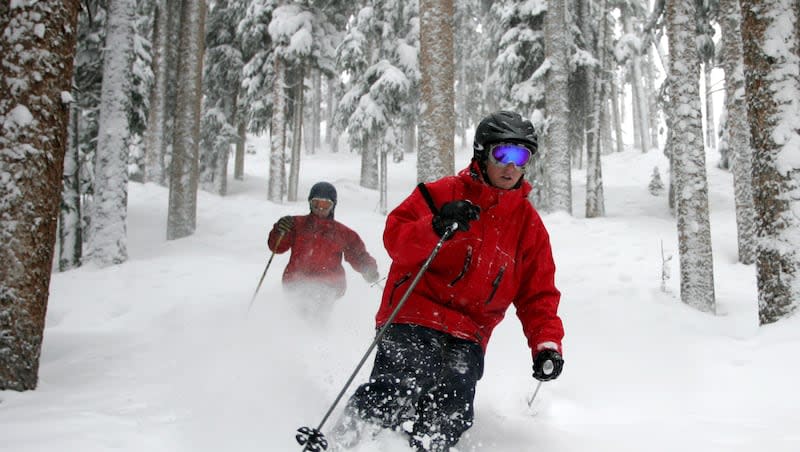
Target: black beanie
[323, 190]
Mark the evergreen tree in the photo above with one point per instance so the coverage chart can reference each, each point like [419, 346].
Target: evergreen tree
[221, 80]
[379, 58]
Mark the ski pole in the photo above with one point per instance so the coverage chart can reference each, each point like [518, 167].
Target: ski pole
[277, 242]
[312, 438]
[547, 368]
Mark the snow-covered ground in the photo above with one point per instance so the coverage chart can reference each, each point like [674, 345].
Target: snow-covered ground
[162, 354]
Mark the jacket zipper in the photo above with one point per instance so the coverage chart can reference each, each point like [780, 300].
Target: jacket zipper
[467, 261]
[496, 284]
[397, 284]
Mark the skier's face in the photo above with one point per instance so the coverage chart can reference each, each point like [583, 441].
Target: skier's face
[502, 176]
[321, 207]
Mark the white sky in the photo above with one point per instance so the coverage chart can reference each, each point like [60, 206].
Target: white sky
[160, 353]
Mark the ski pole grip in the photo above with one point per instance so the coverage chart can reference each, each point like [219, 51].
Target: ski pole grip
[548, 367]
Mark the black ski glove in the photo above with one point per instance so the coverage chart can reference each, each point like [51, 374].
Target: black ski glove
[461, 212]
[547, 365]
[285, 224]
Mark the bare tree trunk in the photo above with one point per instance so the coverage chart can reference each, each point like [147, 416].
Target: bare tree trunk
[329, 113]
[616, 114]
[736, 131]
[558, 183]
[154, 146]
[595, 205]
[770, 39]
[652, 98]
[109, 209]
[639, 97]
[437, 117]
[711, 131]
[182, 211]
[694, 229]
[277, 133]
[369, 164]
[34, 140]
[69, 221]
[384, 167]
[241, 132]
[297, 134]
[316, 114]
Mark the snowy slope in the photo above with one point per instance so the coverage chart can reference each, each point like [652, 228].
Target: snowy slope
[162, 354]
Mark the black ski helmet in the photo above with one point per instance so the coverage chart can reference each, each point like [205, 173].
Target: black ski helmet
[503, 127]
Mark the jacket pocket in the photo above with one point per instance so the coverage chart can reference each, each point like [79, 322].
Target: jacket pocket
[464, 268]
[496, 284]
[397, 285]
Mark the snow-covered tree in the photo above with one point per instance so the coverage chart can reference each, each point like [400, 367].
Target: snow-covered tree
[258, 71]
[516, 79]
[154, 137]
[691, 186]
[771, 44]
[37, 45]
[595, 202]
[437, 122]
[79, 159]
[182, 210]
[470, 60]
[221, 82]
[107, 231]
[379, 59]
[292, 33]
[736, 133]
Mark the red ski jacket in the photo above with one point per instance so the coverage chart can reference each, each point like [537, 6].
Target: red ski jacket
[318, 245]
[504, 258]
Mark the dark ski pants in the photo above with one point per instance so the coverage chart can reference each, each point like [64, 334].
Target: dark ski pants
[423, 379]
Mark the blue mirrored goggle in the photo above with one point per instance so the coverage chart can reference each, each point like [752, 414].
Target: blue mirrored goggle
[504, 153]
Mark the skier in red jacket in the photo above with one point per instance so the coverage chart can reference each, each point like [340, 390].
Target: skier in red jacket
[318, 244]
[431, 356]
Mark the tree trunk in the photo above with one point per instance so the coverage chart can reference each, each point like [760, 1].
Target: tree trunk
[182, 211]
[557, 194]
[241, 133]
[595, 205]
[437, 116]
[277, 133]
[70, 238]
[770, 38]
[297, 134]
[316, 107]
[736, 130]
[616, 114]
[330, 110]
[694, 230]
[639, 98]
[154, 145]
[34, 140]
[711, 131]
[107, 244]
